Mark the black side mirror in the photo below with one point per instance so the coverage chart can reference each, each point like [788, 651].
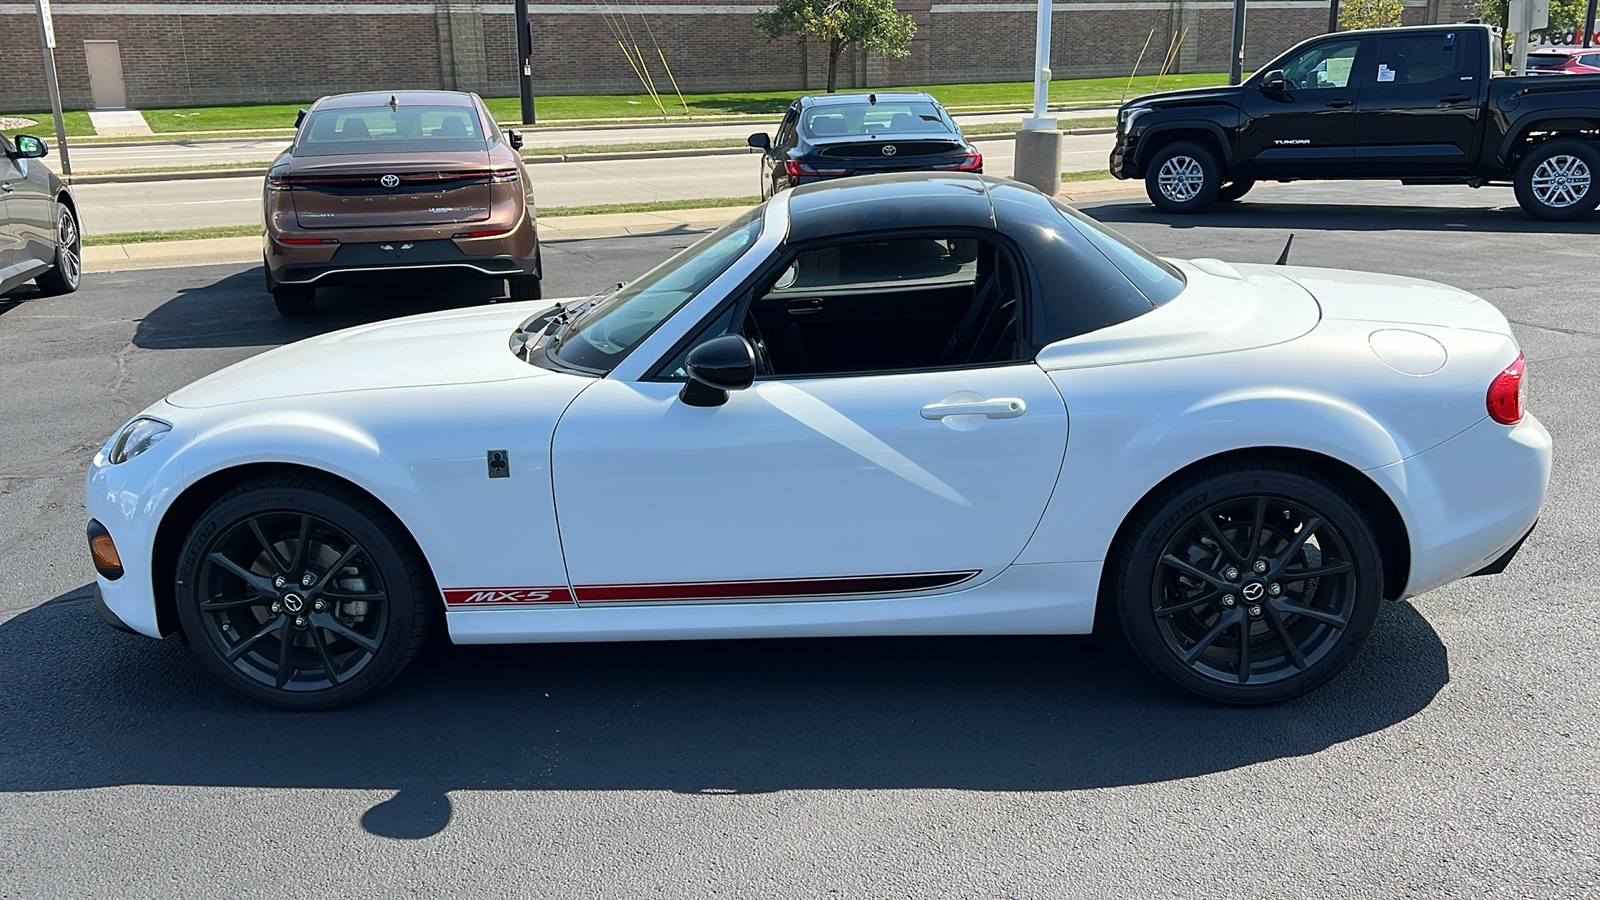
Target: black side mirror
[759, 141]
[515, 137]
[300, 118]
[1272, 82]
[30, 147]
[720, 365]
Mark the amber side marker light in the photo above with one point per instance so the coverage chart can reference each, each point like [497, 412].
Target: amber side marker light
[1507, 393]
[106, 559]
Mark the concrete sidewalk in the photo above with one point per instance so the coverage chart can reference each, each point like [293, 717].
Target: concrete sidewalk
[237, 250]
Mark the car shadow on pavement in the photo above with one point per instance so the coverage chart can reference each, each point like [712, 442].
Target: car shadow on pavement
[1306, 216]
[86, 707]
[236, 310]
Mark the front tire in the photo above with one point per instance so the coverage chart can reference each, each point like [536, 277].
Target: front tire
[1557, 180]
[1183, 177]
[67, 273]
[1248, 583]
[302, 593]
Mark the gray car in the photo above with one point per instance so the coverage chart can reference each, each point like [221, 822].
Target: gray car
[39, 234]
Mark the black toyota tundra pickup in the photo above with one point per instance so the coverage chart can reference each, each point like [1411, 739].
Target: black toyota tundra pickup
[1424, 105]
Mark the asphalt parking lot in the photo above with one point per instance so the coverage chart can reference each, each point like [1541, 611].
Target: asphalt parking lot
[1458, 757]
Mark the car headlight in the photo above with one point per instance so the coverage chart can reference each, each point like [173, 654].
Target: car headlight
[137, 436]
[1129, 115]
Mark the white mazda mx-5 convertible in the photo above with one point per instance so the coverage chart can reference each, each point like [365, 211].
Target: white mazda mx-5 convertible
[893, 405]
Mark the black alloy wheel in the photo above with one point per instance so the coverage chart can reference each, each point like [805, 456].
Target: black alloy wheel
[1233, 190]
[302, 593]
[1250, 585]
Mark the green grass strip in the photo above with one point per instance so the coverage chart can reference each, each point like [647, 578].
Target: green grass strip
[182, 234]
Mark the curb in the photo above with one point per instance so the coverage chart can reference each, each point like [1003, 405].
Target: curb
[543, 158]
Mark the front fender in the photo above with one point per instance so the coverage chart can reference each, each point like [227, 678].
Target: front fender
[1145, 139]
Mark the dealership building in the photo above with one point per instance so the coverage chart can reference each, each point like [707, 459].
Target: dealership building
[179, 52]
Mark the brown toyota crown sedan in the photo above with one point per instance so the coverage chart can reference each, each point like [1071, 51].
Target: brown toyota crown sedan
[405, 184]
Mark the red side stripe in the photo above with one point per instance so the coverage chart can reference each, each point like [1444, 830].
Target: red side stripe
[788, 587]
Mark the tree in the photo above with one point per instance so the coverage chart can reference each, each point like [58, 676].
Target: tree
[1565, 15]
[1370, 13]
[873, 24]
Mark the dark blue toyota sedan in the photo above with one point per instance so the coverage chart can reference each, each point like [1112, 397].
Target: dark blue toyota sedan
[835, 135]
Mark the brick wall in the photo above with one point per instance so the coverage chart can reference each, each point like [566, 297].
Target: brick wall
[296, 50]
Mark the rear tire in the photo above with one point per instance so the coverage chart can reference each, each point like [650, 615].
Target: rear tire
[338, 639]
[1183, 177]
[67, 273]
[1213, 585]
[1557, 181]
[294, 299]
[525, 287]
[1233, 190]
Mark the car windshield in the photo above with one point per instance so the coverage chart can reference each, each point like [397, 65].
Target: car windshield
[881, 118]
[608, 331]
[384, 129]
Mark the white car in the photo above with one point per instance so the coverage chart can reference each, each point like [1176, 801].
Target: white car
[893, 405]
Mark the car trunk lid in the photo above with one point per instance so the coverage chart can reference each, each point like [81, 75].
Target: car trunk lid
[392, 190]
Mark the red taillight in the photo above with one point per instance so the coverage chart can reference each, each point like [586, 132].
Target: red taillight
[795, 169]
[284, 240]
[489, 233]
[501, 176]
[972, 163]
[1505, 393]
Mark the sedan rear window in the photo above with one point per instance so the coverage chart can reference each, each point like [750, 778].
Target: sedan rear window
[1547, 60]
[907, 117]
[384, 129]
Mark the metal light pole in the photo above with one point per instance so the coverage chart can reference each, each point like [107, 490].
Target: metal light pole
[525, 62]
[1041, 71]
[1588, 24]
[1038, 148]
[47, 32]
[1333, 16]
[1236, 66]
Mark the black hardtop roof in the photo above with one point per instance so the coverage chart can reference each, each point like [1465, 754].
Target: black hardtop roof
[889, 202]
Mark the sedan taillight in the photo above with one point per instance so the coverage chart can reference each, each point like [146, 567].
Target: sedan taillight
[971, 162]
[799, 168]
[1505, 399]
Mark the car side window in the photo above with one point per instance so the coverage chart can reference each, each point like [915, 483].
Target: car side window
[1419, 59]
[889, 305]
[786, 135]
[1325, 66]
[1589, 59]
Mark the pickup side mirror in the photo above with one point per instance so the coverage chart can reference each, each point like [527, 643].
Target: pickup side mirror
[30, 147]
[1272, 82]
[759, 141]
[515, 137]
[720, 365]
[300, 118]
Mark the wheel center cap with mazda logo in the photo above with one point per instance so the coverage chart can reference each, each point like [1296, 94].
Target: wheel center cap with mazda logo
[294, 603]
[1254, 591]
[390, 181]
[890, 149]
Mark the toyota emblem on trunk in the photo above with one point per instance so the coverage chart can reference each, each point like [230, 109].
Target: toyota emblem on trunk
[390, 181]
[890, 149]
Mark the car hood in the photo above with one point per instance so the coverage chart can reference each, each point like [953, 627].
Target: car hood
[452, 347]
[1187, 96]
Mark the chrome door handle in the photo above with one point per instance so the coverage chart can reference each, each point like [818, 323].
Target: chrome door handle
[1002, 408]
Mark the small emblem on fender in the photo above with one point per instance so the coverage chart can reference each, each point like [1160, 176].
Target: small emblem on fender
[499, 464]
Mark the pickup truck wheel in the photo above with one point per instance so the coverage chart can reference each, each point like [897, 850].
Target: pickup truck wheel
[1182, 178]
[1233, 190]
[1557, 181]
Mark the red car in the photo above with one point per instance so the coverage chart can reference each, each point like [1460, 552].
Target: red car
[1573, 60]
